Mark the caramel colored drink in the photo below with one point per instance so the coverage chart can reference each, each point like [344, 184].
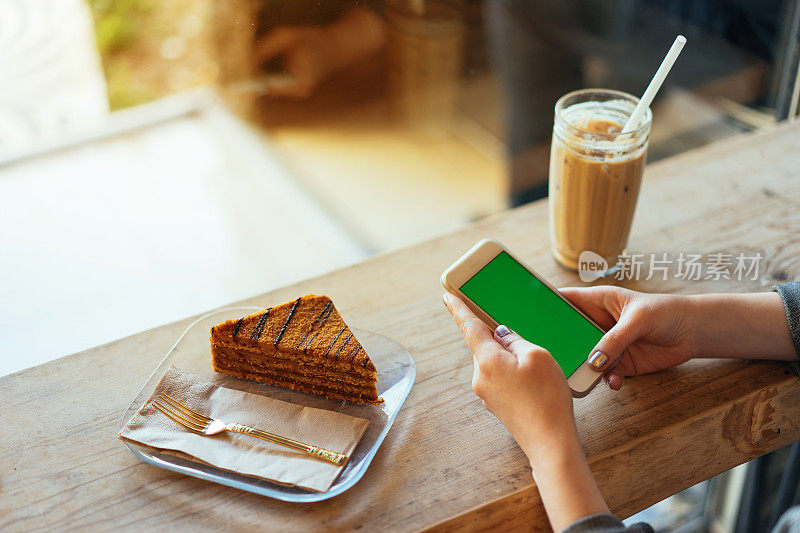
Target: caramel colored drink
[595, 174]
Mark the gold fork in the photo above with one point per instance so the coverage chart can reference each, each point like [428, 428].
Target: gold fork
[205, 425]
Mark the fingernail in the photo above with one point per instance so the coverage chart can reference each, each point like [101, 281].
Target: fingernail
[444, 298]
[502, 331]
[597, 359]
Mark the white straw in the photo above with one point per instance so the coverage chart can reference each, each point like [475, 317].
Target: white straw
[655, 84]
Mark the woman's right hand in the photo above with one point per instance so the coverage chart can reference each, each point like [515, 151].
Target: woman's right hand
[646, 332]
[312, 53]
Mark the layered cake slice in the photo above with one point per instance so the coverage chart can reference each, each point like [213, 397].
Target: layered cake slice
[302, 345]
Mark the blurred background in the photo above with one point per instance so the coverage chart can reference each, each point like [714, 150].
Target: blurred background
[161, 158]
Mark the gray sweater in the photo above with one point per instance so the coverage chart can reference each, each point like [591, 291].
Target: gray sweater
[790, 521]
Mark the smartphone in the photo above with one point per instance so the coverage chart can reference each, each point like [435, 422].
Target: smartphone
[501, 289]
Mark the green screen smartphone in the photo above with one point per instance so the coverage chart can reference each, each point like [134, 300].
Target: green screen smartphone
[502, 290]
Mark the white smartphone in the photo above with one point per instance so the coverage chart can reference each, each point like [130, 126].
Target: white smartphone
[501, 289]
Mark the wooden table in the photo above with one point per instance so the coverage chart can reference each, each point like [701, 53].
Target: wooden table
[447, 463]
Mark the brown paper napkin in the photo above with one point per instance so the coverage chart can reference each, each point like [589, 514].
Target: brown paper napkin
[240, 453]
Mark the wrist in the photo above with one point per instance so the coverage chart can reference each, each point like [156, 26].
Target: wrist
[553, 446]
[741, 326]
[364, 23]
[333, 53]
[565, 482]
[715, 324]
[694, 311]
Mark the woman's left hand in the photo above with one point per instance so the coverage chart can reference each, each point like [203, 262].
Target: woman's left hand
[522, 385]
[519, 382]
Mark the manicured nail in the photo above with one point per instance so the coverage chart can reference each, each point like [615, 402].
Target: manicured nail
[502, 331]
[597, 359]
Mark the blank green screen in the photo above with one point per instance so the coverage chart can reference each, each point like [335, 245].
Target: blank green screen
[513, 296]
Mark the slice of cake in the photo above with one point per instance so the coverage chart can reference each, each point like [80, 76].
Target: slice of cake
[302, 345]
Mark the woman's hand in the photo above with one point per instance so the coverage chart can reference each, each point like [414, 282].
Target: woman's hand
[650, 332]
[522, 385]
[306, 56]
[312, 53]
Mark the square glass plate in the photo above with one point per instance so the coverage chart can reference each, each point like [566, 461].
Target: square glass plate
[191, 352]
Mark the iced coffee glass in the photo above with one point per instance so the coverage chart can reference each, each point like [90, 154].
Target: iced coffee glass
[595, 174]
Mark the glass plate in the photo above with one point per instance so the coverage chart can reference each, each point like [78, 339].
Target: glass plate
[396, 373]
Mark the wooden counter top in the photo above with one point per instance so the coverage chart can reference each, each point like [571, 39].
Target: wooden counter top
[446, 463]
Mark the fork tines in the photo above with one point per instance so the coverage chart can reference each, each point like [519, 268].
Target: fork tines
[180, 414]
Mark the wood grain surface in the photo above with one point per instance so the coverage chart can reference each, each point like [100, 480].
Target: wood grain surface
[446, 464]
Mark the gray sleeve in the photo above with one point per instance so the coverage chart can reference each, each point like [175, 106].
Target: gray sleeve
[790, 293]
[790, 521]
[605, 523]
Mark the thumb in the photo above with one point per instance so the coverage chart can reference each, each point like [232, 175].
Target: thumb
[274, 44]
[512, 341]
[612, 346]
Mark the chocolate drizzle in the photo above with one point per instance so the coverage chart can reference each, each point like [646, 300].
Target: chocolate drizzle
[335, 339]
[353, 355]
[285, 324]
[309, 341]
[260, 325]
[343, 345]
[236, 329]
[323, 315]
